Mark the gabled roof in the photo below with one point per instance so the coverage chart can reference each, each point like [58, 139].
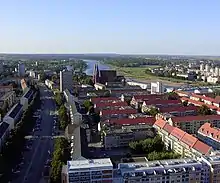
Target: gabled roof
[112, 103]
[207, 130]
[168, 128]
[178, 109]
[178, 133]
[158, 102]
[133, 121]
[189, 140]
[104, 99]
[148, 97]
[118, 111]
[203, 97]
[195, 118]
[202, 147]
[160, 123]
[3, 127]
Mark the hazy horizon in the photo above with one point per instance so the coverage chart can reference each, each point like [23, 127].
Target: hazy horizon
[124, 27]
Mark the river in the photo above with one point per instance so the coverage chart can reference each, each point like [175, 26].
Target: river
[91, 64]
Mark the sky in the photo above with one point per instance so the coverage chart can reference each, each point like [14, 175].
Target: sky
[189, 27]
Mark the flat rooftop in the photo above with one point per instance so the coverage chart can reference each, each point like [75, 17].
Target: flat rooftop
[89, 164]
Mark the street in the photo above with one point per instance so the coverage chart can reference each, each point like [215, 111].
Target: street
[35, 159]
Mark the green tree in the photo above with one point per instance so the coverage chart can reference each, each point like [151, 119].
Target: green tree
[204, 110]
[153, 111]
[63, 117]
[58, 98]
[87, 104]
[185, 103]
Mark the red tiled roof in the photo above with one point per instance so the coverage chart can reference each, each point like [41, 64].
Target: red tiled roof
[99, 99]
[203, 97]
[168, 128]
[202, 147]
[147, 97]
[178, 133]
[134, 121]
[182, 92]
[7, 86]
[207, 130]
[160, 123]
[158, 102]
[178, 109]
[128, 90]
[195, 118]
[109, 104]
[118, 111]
[189, 140]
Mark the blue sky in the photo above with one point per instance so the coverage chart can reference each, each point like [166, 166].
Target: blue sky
[110, 26]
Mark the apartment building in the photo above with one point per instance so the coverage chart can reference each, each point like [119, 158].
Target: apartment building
[96, 100]
[14, 115]
[186, 170]
[8, 97]
[4, 132]
[181, 142]
[181, 93]
[137, 100]
[191, 124]
[164, 171]
[117, 113]
[128, 92]
[88, 171]
[66, 80]
[214, 166]
[27, 98]
[6, 89]
[120, 132]
[167, 112]
[210, 135]
[109, 105]
[159, 104]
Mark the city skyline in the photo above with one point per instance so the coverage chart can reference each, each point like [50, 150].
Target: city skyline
[123, 27]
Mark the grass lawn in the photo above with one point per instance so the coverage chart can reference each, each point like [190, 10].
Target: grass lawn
[139, 73]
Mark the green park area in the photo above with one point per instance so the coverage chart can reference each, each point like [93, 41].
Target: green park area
[142, 74]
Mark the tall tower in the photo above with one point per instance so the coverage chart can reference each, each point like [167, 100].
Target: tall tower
[96, 74]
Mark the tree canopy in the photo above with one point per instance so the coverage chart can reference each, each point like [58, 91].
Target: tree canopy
[204, 110]
[153, 148]
[63, 117]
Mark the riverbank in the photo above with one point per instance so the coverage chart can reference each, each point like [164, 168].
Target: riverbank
[138, 73]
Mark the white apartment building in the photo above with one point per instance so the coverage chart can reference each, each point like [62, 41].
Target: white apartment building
[213, 79]
[66, 80]
[156, 88]
[187, 170]
[89, 171]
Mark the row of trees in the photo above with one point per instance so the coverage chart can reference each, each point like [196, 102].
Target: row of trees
[60, 157]
[58, 99]
[153, 147]
[12, 150]
[63, 117]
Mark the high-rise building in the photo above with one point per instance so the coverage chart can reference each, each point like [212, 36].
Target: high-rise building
[156, 88]
[1, 66]
[207, 67]
[202, 67]
[21, 69]
[216, 71]
[66, 80]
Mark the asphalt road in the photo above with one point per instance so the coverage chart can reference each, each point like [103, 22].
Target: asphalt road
[35, 159]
